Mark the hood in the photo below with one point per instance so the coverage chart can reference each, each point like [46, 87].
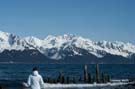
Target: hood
[35, 73]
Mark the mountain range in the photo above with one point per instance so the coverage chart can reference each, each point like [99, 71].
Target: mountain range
[63, 49]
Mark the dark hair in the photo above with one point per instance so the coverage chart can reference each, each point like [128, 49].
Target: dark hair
[35, 69]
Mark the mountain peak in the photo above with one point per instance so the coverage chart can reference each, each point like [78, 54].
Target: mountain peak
[56, 47]
[4, 36]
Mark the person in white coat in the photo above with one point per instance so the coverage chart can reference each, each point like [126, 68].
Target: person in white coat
[35, 80]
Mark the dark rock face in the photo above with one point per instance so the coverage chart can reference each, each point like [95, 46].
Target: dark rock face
[22, 56]
[34, 56]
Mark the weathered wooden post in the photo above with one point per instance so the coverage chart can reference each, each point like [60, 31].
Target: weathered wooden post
[97, 73]
[108, 78]
[68, 80]
[74, 80]
[103, 78]
[63, 79]
[90, 78]
[54, 81]
[49, 80]
[80, 79]
[85, 73]
[45, 80]
[60, 76]
[1, 87]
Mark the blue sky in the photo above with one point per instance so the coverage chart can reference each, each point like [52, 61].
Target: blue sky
[95, 19]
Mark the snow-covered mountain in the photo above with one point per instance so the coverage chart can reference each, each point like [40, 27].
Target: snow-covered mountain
[59, 47]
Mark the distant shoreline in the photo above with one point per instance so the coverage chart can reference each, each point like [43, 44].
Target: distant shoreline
[60, 63]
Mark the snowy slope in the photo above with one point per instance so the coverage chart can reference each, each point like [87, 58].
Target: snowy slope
[54, 46]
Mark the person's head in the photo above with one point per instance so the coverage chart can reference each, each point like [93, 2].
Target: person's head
[35, 69]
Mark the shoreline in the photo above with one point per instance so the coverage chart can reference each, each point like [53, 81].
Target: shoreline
[48, 85]
[65, 63]
[120, 85]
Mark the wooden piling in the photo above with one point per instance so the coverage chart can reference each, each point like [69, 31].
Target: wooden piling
[89, 77]
[103, 78]
[74, 80]
[60, 78]
[63, 79]
[97, 73]
[108, 78]
[85, 73]
[68, 80]
[80, 79]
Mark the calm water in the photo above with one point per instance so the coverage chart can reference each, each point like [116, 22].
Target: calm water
[11, 75]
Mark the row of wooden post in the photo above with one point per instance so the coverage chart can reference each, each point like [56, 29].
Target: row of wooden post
[88, 77]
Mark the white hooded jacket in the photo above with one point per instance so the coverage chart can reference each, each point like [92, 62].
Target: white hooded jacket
[35, 81]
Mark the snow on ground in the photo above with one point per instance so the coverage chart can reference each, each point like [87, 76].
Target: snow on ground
[83, 85]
